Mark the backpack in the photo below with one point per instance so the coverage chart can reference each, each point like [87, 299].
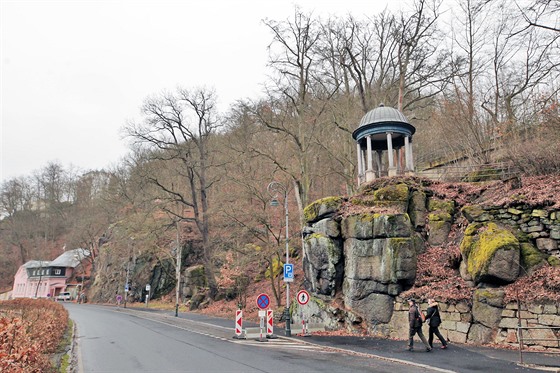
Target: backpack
[420, 318]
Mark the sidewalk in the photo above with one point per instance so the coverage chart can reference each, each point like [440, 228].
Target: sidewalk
[456, 358]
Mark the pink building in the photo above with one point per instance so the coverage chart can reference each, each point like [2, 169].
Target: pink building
[43, 279]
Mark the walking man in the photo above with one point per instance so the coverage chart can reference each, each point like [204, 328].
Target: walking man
[415, 320]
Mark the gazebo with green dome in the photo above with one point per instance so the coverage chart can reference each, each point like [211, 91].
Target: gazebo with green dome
[384, 129]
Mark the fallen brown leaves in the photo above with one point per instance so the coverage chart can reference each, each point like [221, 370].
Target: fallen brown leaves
[543, 284]
[535, 191]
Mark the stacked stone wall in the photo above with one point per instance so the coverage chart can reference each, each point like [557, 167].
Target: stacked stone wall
[540, 225]
[459, 324]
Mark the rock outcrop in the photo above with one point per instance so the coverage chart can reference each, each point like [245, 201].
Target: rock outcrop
[361, 253]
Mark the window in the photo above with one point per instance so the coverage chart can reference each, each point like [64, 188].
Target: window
[57, 271]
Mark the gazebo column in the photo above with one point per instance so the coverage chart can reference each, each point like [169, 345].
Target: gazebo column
[360, 165]
[392, 170]
[408, 156]
[400, 157]
[411, 157]
[378, 155]
[370, 175]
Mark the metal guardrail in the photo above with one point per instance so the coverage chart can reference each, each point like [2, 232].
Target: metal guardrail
[522, 340]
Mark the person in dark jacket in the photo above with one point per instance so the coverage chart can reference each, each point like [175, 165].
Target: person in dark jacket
[415, 325]
[434, 322]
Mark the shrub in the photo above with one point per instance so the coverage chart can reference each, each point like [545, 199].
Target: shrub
[30, 330]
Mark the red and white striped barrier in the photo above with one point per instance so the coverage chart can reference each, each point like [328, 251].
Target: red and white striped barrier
[238, 322]
[269, 322]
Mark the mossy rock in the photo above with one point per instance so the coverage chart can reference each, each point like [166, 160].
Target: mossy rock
[321, 208]
[553, 261]
[491, 253]
[400, 206]
[490, 296]
[439, 205]
[475, 213]
[439, 216]
[398, 192]
[530, 255]
[358, 226]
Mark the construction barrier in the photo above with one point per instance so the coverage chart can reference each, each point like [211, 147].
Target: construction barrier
[238, 323]
[269, 322]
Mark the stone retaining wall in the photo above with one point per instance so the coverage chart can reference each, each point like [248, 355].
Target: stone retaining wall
[540, 225]
[484, 323]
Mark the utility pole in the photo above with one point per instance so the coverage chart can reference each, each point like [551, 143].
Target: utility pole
[40, 277]
[178, 270]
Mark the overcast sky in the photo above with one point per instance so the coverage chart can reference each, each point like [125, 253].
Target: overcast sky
[73, 72]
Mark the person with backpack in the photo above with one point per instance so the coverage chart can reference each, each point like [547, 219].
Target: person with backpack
[415, 320]
[434, 322]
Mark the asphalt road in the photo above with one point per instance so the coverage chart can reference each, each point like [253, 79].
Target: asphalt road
[110, 339]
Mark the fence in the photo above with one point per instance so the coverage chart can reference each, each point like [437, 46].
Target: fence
[522, 339]
[457, 172]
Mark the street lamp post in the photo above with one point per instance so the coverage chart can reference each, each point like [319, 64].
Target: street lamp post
[274, 188]
[126, 287]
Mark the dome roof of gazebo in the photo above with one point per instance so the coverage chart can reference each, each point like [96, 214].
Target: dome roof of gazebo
[382, 120]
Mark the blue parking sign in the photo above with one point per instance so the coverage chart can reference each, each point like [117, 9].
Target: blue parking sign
[288, 272]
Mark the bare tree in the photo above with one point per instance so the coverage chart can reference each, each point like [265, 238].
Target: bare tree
[522, 61]
[288, 112]
[417, 38]
[177, 130]
[542, 14]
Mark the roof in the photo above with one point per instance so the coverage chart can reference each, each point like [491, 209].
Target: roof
[383, 114]
[383, 120]
[70, 258]
[36, 264]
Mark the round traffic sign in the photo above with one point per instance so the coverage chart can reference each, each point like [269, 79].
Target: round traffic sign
[302, 297]
[263, 301]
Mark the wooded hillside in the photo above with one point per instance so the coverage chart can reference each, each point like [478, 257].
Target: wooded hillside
[200, 176]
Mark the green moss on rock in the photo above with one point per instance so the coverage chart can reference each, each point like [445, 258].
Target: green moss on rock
[530, 255]
[398, 192]
[480, 248]
[472, 229]
[439, 205]
[475, 213]
[320, 207]
[439, 216]
[553, 261]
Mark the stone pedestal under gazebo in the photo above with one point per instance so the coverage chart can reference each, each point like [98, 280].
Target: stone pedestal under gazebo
[384, 129]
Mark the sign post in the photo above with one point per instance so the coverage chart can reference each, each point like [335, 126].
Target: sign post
[288, 272]
[303, 298]
[263, 301]
[148, 288]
